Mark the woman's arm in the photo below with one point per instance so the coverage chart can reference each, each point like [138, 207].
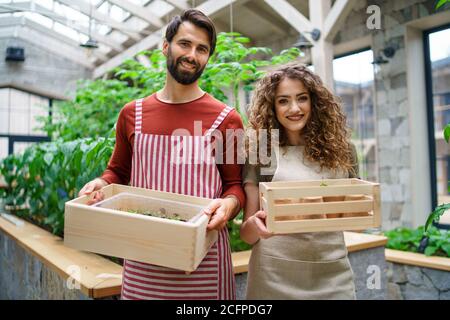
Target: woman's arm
[254, 225]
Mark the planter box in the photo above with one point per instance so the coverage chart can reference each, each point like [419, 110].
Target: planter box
[298, 206]
[103, 229]
[35, 264]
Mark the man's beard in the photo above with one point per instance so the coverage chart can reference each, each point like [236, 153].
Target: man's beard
[181, 76]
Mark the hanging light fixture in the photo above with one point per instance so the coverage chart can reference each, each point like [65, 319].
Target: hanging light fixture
[90, 44]
[387, 52]
[303, 43]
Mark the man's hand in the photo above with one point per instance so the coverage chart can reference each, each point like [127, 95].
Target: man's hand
[91, 187]
[220, 212]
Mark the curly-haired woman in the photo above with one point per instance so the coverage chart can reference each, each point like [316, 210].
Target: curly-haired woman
[313, 144]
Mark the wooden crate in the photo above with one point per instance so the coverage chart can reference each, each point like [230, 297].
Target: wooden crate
[286, 214]
[164, 242]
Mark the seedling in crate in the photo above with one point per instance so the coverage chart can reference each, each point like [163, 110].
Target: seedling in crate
[161, 213]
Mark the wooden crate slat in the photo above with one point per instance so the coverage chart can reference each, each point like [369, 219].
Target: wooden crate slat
[204, 241]
[269, 206]
[309, 183]
[287, 230]
[297, 193]
[272, 192]
[320, 225]
[323, 207]
[377, 206]
[162, 195]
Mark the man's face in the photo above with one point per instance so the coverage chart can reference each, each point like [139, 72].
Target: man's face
[187, 54]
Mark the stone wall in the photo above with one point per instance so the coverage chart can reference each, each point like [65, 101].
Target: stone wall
[416, 283]
[23, 276]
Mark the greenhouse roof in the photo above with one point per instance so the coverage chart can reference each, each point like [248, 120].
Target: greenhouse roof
[122, 28]
[116, 24]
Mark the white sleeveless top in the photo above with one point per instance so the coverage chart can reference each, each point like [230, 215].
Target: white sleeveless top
[292, 165]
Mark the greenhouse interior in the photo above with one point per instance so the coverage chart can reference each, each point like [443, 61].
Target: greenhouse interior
[93, 94]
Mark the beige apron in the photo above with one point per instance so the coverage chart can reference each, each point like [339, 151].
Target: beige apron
[304, 265]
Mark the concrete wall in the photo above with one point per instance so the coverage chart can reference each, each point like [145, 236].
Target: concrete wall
[42, 71]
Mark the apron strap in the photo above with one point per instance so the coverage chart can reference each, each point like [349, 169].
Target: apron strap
[219, 120]
[138, 117]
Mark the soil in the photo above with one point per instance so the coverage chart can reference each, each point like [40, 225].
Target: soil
[159, 214]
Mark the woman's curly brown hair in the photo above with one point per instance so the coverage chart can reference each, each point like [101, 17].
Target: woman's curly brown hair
[326, 135]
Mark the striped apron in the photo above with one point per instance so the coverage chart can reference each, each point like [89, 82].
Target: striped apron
[156, 165]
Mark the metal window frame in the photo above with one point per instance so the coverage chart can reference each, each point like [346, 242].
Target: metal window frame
[12, 138]
[350, 53]
[430, 111]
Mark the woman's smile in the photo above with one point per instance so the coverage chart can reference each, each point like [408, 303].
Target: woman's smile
[296, 117]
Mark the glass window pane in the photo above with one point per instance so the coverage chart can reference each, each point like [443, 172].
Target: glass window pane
[353, 78]
[4, 121]
[19, 100]
[20, 147]
[3, 148]
[19, 121]
[39, 108]
[4, 98]
[440, 66]
[35, 124]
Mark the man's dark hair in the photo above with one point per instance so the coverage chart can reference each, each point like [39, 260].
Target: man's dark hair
[198, 19]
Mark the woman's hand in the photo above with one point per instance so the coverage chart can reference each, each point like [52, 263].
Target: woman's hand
[93, 187]
[259, 222]
[254, 226]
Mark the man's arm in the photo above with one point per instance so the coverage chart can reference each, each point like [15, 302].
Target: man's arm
[119, 166]
[231, 169]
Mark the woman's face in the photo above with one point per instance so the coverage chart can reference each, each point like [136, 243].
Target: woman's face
[292, 106]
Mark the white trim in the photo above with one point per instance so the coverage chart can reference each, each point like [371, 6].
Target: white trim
[84, 7]
[141, 12]
[292, 16]
[335, 19]
[417, 101]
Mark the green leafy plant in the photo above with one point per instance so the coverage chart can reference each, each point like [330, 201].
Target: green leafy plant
[234, 66]
[441, 209]
[441, 3]
[447, 132]
[235, 238]
[405, 239]
[436, 215]
[47, 175]
[92, 113]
